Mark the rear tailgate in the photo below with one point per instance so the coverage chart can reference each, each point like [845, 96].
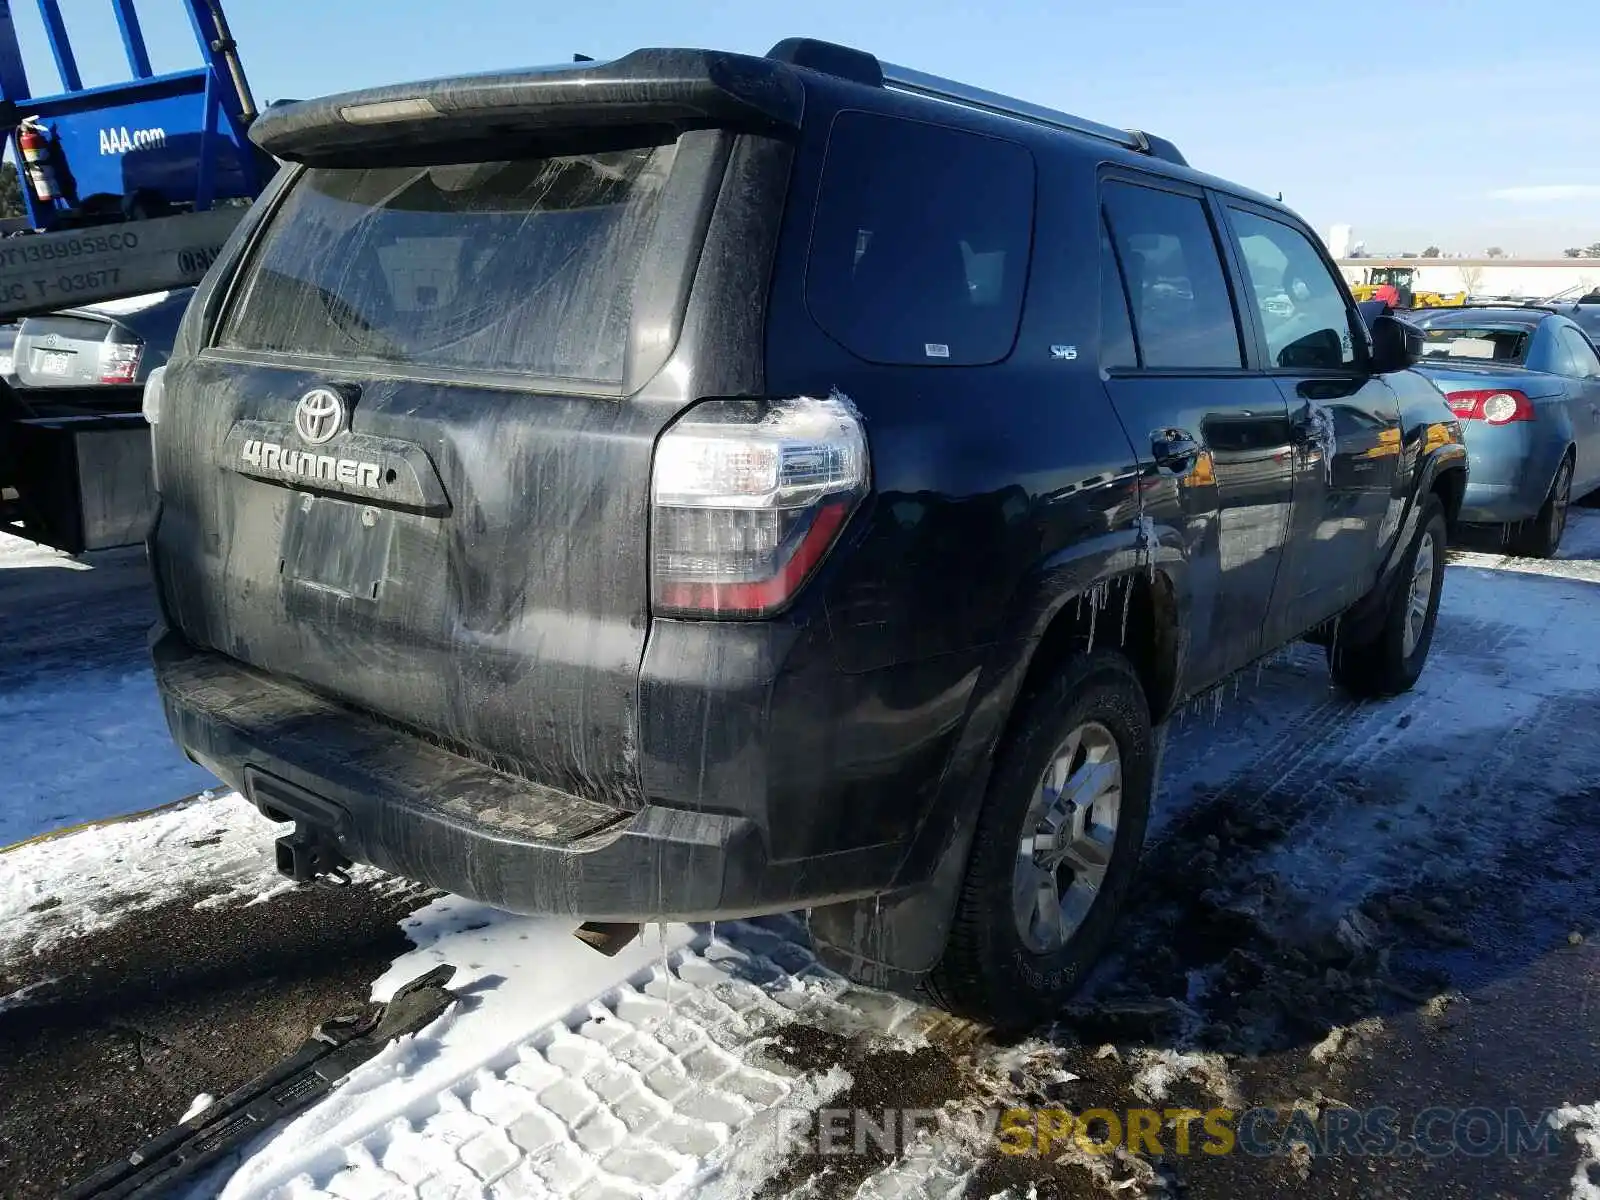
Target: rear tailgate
[412, 472]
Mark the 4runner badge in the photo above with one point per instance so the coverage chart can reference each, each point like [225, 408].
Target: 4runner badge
[285, 462]
[319, 415]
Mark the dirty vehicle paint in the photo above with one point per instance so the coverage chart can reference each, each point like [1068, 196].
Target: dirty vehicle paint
[669, 602]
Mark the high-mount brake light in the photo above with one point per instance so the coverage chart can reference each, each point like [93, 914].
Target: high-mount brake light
[1493, 406]
[378, 112]
[747, 498]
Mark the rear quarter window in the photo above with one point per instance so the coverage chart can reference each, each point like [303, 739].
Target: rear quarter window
[920, 242]
[525, 266]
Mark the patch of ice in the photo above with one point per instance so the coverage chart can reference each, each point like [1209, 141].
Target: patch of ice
[1324, 434]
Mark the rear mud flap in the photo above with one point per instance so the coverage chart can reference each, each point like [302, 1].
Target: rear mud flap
[162, 1165]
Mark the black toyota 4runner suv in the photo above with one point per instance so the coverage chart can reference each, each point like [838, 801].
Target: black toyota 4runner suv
[704, 485]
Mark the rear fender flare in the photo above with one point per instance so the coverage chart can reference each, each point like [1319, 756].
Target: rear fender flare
[893, 940]
[1431, 465]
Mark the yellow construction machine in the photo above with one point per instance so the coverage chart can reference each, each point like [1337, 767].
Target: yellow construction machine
[1402, 279]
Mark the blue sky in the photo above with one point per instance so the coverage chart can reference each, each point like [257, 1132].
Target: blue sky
[1382, 115]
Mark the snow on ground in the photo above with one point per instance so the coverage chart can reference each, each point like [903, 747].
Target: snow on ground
[1583, 1120]
[63, 887]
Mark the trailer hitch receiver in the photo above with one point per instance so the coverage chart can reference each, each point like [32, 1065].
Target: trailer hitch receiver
[310, 855]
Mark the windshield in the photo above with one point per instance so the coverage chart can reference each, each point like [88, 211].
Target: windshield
[523, 266]
[1504, 344]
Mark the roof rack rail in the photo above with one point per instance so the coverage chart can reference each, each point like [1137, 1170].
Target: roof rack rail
[861, 67]
[919, 83]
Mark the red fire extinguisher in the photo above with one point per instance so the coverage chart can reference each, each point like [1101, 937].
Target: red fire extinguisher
[38, 160]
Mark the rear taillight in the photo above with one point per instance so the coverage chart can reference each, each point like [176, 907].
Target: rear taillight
[1495, 407]
[747, 498]
[119, 361]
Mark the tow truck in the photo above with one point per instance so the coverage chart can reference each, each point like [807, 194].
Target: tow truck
[130, 188]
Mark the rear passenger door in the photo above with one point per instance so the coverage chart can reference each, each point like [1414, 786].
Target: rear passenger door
[1583, 384]
[1211, 434]
[1344, 420]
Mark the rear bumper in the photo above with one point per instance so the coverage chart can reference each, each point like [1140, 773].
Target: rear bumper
[1512, 467]
[395, 800]
[1498, 503]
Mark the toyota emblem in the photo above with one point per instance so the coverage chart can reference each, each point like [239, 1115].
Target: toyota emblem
[319, 415]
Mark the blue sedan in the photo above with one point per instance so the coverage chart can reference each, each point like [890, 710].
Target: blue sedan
[1525, 383]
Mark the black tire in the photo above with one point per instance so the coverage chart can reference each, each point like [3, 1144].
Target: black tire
[987, 972]
[1382, 666]
[1541, 537]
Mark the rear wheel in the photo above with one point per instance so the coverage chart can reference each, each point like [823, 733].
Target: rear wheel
[1056, 847]
[1541, 537]
[1391, 660]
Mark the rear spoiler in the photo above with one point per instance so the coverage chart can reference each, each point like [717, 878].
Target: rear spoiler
[679, 89]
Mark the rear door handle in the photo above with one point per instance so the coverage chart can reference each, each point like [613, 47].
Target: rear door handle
[1174, 448]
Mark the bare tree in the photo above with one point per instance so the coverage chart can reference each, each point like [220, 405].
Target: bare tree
[1472, 280]
[1432, 252]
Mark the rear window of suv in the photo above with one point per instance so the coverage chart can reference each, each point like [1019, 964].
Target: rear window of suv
[921, 240]
[524, 266]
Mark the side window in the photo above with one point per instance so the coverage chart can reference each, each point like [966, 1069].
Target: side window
[1116, 331]
[1182, 313]
[1560, 357]
[1585, 362]
[920, 243]
[1303, 312]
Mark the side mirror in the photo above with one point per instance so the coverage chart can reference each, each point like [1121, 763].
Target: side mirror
[1396, 344]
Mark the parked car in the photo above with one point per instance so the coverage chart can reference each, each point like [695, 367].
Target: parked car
[1585, 311]
[113, 342]
[1525, 382]
[790, 487]
[8, 341]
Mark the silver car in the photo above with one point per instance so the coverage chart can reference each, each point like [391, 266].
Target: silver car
[112, 342]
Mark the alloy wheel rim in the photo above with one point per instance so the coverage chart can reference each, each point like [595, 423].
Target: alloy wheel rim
[1068, 836]
[1420, 594]
[1560, 501]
